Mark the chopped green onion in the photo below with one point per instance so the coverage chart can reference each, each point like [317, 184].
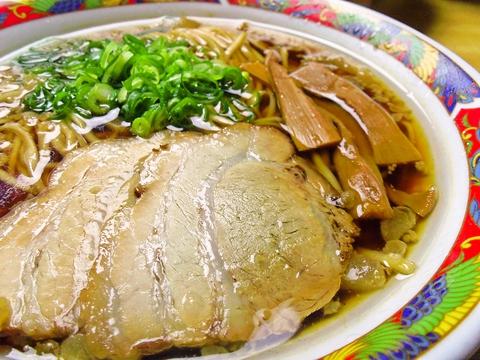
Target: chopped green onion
[155, 83]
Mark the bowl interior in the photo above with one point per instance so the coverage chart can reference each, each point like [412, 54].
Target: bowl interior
[451, 168]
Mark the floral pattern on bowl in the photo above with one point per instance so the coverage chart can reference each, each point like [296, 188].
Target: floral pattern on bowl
[454, 291]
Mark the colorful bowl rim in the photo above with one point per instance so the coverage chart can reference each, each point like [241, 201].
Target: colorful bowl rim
[449, 301]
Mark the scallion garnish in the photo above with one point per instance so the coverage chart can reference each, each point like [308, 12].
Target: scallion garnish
[155, 83]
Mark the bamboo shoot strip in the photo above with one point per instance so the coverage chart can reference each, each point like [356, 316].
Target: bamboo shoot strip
[309, 129]
[389, 143]
[355, 174]
[420, 202]
[258, 70]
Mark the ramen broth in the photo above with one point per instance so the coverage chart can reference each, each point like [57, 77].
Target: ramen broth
[33, 142]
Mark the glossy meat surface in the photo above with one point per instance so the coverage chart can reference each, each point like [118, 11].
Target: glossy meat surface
[183, 241]
[48, 244]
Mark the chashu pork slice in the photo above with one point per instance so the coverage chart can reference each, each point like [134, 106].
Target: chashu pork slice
[49, 243]
[226, 227]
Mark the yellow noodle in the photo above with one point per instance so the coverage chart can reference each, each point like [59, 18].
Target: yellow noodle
[29, 156]
[37, 187]
[3, 159]
[220, 120]
[81, 139]
[284, 56]
[272, 121]
[325, 171]
[12, 163]
[42, 128]
[271, 108]
[257, 85]
[47, 172]
[202, 39]
[7, 178]
[224, 38]
[258, 44]
[91, 138]
[5, 120]
[194, 39]
[29, 151]
[222, 42]
[117, 129]
[236, 44]
[71, 140]
[21, 168]
[59, 146]
[253, 54]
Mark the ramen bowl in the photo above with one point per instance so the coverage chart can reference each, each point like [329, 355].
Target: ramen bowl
[431, 312]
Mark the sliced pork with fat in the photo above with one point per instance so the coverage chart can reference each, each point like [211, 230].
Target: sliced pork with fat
[48, 244]
[195, 244]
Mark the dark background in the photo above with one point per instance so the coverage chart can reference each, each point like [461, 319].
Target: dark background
[453, 23]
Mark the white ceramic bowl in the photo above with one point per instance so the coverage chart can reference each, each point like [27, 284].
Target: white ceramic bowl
[450, 159]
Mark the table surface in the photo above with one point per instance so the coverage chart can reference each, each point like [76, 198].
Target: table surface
[453, 23]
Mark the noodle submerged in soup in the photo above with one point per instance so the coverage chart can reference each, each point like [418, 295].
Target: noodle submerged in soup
[323, 122]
